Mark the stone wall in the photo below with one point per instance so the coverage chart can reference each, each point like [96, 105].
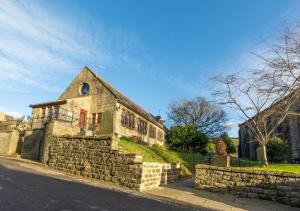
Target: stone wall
[288, 130]
[155, 174]
[128, 132]
[2, 116]
[94, 157]
[32, 144]
[63, 128]
[281, 187]
[9, 141]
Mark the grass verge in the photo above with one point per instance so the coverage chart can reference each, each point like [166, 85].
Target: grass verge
[157, 154]
[289, 168]
[188, 160]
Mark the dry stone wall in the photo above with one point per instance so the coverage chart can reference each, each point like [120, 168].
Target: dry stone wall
[9, 140]
[281, 187]
[93, 157]
[154, 174]
[32, 144]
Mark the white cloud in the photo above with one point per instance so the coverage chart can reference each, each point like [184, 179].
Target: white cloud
[36, 45]
[11, 113]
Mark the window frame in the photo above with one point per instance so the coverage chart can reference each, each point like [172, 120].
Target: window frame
[50, 112]
[142, 127]
[43, 112]
[152, 131]
[128, 119]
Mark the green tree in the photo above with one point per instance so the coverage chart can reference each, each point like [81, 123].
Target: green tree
[211, 147]
[186, 138]
[277, 149]
[229, 143]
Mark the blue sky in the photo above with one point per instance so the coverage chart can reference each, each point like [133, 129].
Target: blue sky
[153, 51]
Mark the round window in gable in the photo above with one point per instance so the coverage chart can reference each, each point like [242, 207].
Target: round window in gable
[85, 88]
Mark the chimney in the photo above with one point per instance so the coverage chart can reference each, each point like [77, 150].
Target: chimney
[159, 120]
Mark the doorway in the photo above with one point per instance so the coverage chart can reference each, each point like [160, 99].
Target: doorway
[82, 118]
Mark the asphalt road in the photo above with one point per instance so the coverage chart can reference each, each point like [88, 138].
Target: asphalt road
[24, 189]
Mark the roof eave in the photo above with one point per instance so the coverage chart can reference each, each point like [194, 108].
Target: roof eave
[58, 102]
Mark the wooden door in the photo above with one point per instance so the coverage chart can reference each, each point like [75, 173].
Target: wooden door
[82, 118]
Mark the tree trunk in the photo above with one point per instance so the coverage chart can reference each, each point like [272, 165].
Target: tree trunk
[264, 160]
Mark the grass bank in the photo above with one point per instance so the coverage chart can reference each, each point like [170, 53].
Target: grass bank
[157, 154]
[289, 168]
[255, 165]
[188, 160]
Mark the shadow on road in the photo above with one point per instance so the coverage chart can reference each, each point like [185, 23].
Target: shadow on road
[21, 189]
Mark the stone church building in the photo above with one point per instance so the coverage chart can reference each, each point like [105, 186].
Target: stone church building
[289, 130]
[91, 106]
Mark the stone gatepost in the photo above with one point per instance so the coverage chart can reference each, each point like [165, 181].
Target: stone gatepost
[45, 142]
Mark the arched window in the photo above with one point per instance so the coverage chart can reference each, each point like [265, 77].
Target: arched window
[85, 88]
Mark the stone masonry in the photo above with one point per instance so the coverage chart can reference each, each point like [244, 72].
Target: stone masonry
[101, 110]
[155, 174]
[281, 187]
[95, 157]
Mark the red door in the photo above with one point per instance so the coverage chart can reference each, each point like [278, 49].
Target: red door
[82, 118]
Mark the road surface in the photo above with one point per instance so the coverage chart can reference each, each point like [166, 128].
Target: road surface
[29, 187]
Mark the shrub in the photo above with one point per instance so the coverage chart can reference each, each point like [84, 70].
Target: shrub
[187, 138]
[211, 147]
[136, 139]
[163, 147]
[229, 143]
[277, 149]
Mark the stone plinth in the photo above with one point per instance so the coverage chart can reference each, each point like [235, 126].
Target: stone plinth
[221, 161]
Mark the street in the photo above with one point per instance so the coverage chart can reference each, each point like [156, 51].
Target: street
[25, 188]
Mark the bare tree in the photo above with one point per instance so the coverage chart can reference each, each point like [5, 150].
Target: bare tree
[198, 112]
[267, 95]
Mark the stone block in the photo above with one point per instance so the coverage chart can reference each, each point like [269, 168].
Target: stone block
[253, 195]
[295, 202]
[283, 200]
[243, 194]
[221, 161]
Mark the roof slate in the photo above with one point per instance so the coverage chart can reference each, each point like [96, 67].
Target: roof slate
[122, 99]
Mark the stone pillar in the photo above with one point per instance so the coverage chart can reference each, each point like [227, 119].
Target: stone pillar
[45, 143]
[114, 142]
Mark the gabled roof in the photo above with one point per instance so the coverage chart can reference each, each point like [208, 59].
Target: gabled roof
[125, 101]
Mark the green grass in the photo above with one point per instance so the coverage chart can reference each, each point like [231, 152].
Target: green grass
[148, 154]
[188, 160]
[289, 168]
[255, 165]
[158, 154]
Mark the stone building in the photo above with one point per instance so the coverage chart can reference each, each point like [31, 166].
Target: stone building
[5, 117]
[9, 135]
[91, 106]
[289, 130]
